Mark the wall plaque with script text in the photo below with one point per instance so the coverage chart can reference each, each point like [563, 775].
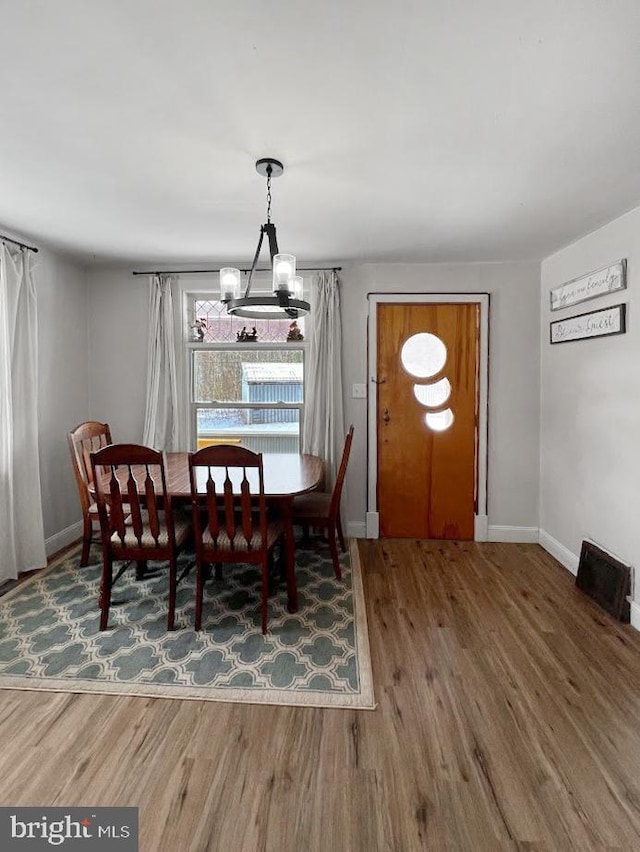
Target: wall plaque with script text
[609, 279]
[593, 324]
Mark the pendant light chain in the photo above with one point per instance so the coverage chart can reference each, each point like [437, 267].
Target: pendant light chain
[269, 194]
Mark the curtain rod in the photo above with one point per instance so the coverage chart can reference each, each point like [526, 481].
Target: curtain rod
[18, 243]
[208, 271]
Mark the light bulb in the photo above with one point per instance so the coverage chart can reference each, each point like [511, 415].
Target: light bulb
[229, 283]
[296, 286]
[284, 269]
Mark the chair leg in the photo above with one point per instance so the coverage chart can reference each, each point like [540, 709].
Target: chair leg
[340, 535]
[265, 593]
[305, 532]
[281, 561]
[86, 542]
[271, 571]
[173, 582]
[218, 570]
[333, 547]
[199, 592]
[105, 590]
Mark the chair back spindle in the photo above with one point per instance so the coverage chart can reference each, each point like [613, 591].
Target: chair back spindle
[247, 514]
[229, 508]
[212, 507]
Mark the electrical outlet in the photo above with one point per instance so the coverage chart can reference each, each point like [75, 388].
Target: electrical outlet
[359, 391]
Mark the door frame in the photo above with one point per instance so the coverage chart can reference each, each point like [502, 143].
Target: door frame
[375, 299]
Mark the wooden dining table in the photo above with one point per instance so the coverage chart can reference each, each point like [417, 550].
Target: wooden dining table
[285, 476]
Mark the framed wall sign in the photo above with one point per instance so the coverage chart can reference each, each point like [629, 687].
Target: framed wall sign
[609, 279]
[593, 324]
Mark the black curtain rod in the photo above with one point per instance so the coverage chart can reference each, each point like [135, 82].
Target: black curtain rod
[18, 243]
[208, 271]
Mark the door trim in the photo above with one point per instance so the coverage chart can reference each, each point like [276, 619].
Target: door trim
[375, 299]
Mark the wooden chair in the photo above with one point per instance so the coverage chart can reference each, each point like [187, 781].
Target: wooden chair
[320, 509]
[230, 515]
[136, 517]
[85, 439]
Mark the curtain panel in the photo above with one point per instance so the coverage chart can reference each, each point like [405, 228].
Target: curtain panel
[324, 420]
[162, 418]
[22, 544]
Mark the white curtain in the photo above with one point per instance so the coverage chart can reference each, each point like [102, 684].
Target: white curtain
[161, 419]
[22, 546]
[324, 422]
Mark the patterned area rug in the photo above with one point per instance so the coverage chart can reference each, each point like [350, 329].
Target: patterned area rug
[319, 656]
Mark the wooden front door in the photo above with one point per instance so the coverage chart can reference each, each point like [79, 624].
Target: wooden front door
[427, 414]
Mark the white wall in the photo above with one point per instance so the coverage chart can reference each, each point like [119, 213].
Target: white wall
[118, 338]
[513, 375]
[118, 330]
[63, 392]
[590, 410]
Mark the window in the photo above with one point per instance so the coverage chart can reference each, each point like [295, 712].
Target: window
[245, 393]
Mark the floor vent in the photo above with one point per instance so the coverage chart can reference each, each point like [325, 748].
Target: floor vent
[606, 580]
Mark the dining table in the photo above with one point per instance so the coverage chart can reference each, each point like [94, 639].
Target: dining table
[285, 475]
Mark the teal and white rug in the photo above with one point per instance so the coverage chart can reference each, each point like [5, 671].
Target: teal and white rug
[318, 657]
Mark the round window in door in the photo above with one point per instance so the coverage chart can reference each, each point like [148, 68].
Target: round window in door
[433, 395]
[423, 356]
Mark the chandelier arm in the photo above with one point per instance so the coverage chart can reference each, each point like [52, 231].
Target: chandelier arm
[255, 261]
[270, 230]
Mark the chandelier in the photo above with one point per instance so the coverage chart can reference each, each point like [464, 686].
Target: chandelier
[286, 301]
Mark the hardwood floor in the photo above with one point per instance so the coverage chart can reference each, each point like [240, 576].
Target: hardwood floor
[508, 718]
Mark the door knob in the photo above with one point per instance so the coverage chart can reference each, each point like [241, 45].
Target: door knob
[385, 416]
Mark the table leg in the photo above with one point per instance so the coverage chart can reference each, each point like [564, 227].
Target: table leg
[286, 514]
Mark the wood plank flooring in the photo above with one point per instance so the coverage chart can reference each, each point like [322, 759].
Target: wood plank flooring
[508, 718]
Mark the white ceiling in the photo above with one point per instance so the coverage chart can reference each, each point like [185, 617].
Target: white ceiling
[415, 130]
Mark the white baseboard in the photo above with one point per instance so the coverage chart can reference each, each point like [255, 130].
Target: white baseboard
[63, 538]
[559, 552]
[483, 532]
[520, 535]
[356, 529]
[372, 525]
[635, 615]
[480, 528]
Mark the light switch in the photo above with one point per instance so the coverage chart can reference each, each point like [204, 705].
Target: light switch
[359, 391]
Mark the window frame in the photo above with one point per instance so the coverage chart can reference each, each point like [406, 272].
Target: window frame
[191, 346]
